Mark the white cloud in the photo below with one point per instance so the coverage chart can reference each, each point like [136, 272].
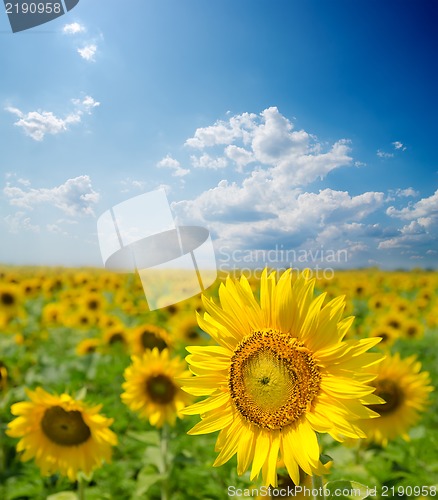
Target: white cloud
[426, 207]
[399, 145]
[240, 156]
[86, 105]
[74, 197]
[88, 52]
[206, 161]
[37, 124]
[269, 140]
[130, 184]
[421, 229]
[73, 28]
[223, 133]
[174, 165]
[19, 221]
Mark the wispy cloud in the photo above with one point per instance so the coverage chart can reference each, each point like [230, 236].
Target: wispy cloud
[20, 221]
[399, 146]
[88, 52]
[37, 124]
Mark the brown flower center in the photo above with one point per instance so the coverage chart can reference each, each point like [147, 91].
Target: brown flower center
[149, 340]
[391, 393]
[273, 379]
[7, 299]
[65, 428]
[160, 389]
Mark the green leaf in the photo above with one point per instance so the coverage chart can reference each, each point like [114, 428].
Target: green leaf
[147, 437]
[81, 394]
[351, 490]
[325, 459]
[147, 478]
[63, 495]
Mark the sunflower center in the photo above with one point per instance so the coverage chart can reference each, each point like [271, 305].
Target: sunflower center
[149, 340]
[117, 337]
[93, 305]
[7, 299]
[273, 379]
[192, 335]
[391, 393]
[65, 428]
[160, 389]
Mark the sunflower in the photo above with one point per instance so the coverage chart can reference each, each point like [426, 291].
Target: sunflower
[3, 376]
[10, 299]
[147, 337]
[115, 335]
[281, 373]
[388, 334]
[93, 302]
[62, 434]
[404, 388]
[187, 332]
[88, 346]
[53, 313]
[413, 329]
[151, 389]
[80, 318]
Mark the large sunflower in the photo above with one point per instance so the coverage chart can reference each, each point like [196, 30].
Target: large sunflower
[151, 388]
[405, 389]
[62, 434]
[281, 373]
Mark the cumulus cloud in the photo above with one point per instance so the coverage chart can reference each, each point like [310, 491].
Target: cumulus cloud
[269, 200]
[207, 161]
[426, 207]
[74, 197]
[421, 228]
[73, 29]
[270, 141]
[37, 124]
[88, 52]
[174, 165]
[260, 214]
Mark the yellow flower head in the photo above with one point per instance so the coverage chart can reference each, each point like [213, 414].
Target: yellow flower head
[147, 337]
[3, 376]
[62, 435]
[281, 373]
[404, 388]
[151, 388]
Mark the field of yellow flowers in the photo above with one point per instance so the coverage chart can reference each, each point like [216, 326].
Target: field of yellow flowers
[91, 404]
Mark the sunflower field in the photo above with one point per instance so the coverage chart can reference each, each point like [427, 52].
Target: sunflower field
[266, 386]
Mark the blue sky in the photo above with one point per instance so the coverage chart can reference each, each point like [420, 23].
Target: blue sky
[294, 125]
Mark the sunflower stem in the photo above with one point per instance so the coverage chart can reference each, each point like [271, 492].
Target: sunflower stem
[81, 488]
[164, 443]
[317, 487]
